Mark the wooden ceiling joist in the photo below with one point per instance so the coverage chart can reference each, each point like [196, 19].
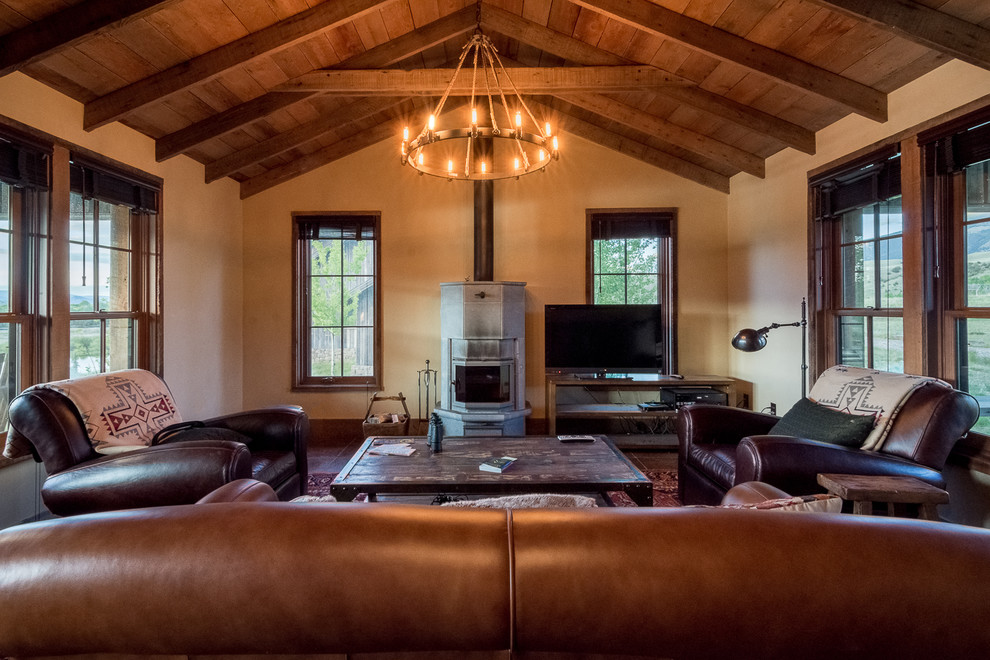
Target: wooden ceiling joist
[220, 124]
[69, 27]
[283, 142]
[324, 156]
[322, 17]
[575, 50]
[642, 152]
[532, 80]
[923, 25]
[652, 125]
[388, 53]
[728, 47]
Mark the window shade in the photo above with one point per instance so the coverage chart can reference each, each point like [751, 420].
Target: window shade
[959, 149]
[23, 166]
[608, 226]
[346, 227]
[99, 184]
[857, 186]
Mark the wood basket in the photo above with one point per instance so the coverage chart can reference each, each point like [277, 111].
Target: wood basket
[386, 428]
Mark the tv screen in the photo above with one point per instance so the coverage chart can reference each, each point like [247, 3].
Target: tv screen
[602, 339]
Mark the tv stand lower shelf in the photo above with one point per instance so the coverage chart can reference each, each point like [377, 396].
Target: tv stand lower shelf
[569, 398]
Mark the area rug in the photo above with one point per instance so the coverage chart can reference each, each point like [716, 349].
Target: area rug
[664, 488]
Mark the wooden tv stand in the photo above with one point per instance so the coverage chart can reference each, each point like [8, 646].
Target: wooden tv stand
[608, 404]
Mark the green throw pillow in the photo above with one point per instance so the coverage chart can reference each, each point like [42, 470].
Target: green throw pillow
[813, 421]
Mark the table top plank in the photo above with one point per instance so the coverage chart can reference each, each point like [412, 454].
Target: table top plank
[883, 488]
[543, 462]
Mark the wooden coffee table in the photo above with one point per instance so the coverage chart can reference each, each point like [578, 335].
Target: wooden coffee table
[544, 465]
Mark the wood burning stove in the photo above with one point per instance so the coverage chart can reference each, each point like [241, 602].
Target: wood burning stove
[483, 349]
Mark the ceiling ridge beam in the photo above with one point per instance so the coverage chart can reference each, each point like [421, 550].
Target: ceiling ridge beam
[575, 50]
[290, 139]
[726, 46]
[923, 25]
[668, 131]
[390, 52]
[639, 151]
[281, 35]
[328, 154]
[390, 82]
[66, 28]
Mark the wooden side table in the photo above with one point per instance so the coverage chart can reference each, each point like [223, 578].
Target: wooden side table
[863, 490]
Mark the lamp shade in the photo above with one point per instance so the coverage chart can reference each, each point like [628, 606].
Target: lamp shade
[750, 340]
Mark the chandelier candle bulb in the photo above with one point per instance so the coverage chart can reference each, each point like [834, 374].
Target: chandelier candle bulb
[432, 122]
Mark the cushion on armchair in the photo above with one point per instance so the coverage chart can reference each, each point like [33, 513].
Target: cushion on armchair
[807, 419]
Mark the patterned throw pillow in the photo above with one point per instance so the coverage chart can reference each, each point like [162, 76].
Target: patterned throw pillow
[810, 420]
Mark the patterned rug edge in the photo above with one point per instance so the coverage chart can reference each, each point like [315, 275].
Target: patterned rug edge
[664, 488]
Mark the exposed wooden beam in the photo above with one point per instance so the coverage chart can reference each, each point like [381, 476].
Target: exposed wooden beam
[923, 25]
[661, 128]
[662, 22]
[283, 142]
[335, 151]
[639, 151]
[538, 80]
[574, 50]
[322, 17]
[189, 137]
[68, 27]
[390, 52]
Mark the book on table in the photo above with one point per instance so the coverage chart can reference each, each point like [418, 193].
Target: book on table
[497, 464]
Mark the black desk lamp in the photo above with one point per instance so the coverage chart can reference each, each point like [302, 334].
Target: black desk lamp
[750, 340]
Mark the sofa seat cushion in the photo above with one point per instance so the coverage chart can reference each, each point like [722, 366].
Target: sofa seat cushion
[718, 462]
[272, 467]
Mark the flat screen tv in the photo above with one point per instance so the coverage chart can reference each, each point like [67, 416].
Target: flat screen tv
[604, 339]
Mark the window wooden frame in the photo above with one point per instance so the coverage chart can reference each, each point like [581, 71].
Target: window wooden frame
[301, 379]
[666, 286]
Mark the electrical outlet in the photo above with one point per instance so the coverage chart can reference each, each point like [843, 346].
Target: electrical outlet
[773, 408]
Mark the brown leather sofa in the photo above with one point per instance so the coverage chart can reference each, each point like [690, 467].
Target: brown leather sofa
[719, 447]
[256, 578]
[269, 445]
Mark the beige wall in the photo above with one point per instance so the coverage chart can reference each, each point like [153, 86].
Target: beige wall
[202, 270]
[427, 239]
[768, 218]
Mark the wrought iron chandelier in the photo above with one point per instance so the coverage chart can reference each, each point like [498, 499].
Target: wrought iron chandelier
[490, 152]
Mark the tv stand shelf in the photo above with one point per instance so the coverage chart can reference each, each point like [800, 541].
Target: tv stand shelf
[607, 402]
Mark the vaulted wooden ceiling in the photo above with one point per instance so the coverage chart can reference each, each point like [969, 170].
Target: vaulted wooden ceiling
[703, 88]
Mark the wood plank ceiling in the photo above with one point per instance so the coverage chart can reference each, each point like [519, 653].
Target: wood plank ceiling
[702, 88]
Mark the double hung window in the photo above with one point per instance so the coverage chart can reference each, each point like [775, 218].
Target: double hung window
[337, 301]
[112, 259]
[631, 261]
[957, 160]
[858, 265]
[24, 191]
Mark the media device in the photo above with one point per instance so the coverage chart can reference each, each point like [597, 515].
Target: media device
[604, 340]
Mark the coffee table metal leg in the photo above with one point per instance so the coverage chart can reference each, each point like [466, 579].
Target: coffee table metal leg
[343, 494]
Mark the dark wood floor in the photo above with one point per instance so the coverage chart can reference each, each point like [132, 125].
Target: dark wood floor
[330, 455]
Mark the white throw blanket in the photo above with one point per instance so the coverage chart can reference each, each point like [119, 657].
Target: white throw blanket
[862, 391]
[121, 410]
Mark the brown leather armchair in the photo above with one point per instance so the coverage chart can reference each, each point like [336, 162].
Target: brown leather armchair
[719, 447]
[267, 444]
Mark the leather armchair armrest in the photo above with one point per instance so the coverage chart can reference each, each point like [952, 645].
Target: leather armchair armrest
[793, 464]
[241, 490]
[283, 428]
[709, 424]
[169, 474]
